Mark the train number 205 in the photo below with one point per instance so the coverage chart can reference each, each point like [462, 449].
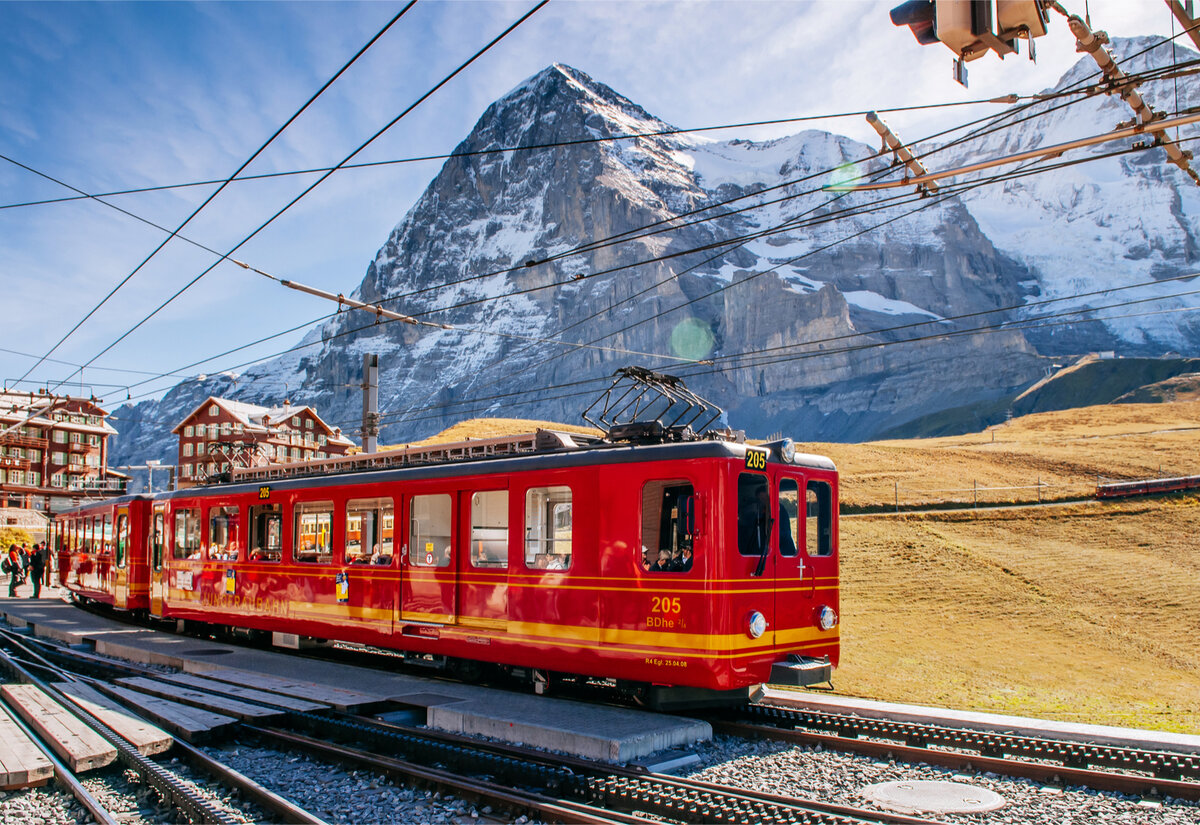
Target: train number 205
[664, 604]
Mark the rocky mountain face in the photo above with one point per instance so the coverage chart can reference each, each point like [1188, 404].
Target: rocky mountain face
[823, 315]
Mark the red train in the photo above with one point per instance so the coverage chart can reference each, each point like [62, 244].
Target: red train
[1124, 489]
[687, 572]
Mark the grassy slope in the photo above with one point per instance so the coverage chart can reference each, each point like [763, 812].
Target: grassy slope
[1086, 612]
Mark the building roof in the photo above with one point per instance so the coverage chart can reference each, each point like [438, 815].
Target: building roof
[16, 407]
[253, 416]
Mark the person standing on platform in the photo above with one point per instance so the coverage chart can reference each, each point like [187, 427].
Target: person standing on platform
[12, 566]
[37, 563]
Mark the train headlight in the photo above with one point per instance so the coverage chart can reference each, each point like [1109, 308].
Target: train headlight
[827, 617]
[757, 625]
[787, 450]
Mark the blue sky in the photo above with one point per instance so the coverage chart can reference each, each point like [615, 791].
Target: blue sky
[111, 96]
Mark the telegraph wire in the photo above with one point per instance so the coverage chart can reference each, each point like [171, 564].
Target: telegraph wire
[173, 233]
[325, 317]
[325, 176]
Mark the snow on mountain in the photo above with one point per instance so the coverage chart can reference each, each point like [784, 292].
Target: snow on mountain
[549, 230]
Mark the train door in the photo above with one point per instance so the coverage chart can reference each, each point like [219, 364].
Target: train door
[428, 581]
[483, 558]
[120, 569]
[158, 531]
[793, 580]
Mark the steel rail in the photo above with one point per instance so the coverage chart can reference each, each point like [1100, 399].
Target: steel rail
[544, 807]
[910, 750]
[580, 764]
[63, 775]
[170, 787]
[659, 795]
[1073, 754]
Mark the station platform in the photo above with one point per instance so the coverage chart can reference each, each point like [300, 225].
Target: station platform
[591, 731]
[998, 723]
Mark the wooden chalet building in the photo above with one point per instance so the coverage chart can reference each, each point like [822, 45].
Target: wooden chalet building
[220, 435]
[53, 455]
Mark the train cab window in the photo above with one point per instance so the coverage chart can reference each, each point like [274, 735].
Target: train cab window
[157, 537]
[489, 529]
[789, 517]
[754, 520]
[548, 528]
[224, 533]
[266, 532]
[668, 526]
[187, 533]
[818, 527]
[122, 537]
[369, 525]
[429, 530]
[314, 532]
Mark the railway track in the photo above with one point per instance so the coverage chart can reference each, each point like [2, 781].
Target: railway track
[20, 660]
[519, 780]
[1126, 770]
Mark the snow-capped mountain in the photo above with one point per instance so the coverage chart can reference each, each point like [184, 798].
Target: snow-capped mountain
[784, 305]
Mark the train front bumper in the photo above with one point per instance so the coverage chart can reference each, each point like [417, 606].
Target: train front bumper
[801, 671]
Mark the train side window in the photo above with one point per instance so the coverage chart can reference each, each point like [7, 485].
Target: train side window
[266, 532]
[548, 528]
[157, 530]
[753, 514]
[429, 530]
[107, 547]
[224, 539]
[668, 526]
[489, 529]
[818, 527]
[314, 532]
[789, 517]
[122, 537]
[369, 526]
[187, 533]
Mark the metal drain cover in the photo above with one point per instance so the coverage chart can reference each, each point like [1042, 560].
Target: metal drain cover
[923, 796]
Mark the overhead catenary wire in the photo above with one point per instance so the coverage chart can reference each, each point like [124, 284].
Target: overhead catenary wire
[479, 53]
[212, 195]
[1151, 47]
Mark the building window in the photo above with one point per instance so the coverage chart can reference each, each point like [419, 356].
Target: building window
[188, 431]
[548, 528]
[212, 410]
[321, 440]
[35, 479]
[187, 470]
[187, 449]
[308, 423]
[16, 477]
[213, 432]
[60, 437]
[94, 440]
[296, 421]
[200, 448]
[75, 438]
[226, 428]
[237, 428]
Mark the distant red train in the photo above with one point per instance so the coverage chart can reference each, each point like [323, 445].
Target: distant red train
[685, 572]
[1123, 489]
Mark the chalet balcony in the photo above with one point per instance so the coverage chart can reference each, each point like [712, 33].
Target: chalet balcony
[98, 485]
[14, 440]
[80, 447]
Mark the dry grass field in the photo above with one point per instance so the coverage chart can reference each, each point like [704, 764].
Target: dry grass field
[1083, 612]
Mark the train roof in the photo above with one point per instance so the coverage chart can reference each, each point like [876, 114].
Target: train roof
[563, 457]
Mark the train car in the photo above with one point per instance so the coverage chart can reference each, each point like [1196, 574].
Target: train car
[102, 552]
[686, 572]
[1146, 487]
